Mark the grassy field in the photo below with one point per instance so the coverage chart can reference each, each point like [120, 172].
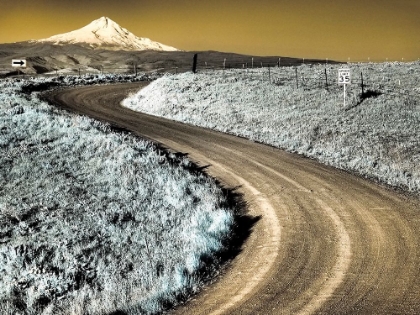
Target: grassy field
[94, 221]
[301, 109]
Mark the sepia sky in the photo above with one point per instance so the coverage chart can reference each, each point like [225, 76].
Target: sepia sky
[334, 29]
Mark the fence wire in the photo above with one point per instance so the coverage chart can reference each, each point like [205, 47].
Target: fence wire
[366, 77]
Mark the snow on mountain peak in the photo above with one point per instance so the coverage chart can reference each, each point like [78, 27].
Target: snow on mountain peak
[107, 34]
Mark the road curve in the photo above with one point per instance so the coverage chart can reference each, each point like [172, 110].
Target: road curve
[328, 242]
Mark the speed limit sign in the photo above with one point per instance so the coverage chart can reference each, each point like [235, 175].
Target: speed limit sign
[344, 76]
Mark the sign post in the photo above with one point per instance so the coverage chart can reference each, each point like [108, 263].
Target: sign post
[344, 78]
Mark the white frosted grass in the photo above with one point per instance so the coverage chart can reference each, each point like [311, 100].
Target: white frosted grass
[92, 221]
[378, 138]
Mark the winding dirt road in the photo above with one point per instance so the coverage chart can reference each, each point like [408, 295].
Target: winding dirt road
[328, 242]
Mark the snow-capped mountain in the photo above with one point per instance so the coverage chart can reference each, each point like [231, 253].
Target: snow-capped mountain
[105, 33]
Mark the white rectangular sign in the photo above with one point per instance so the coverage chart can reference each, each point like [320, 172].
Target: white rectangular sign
[344, 76]
[21, 63]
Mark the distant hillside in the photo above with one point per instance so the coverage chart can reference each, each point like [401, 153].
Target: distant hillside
[47, 57]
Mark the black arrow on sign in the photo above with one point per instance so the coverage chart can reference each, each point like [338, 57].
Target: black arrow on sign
[18, 63]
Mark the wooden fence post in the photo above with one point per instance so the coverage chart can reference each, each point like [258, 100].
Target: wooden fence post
[326, 79]
[361, 75]
[194, 68]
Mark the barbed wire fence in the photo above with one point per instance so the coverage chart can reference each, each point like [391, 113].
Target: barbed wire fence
[367, 77]
[214, 64]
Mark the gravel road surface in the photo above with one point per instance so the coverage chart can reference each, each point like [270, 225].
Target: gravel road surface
[327, 241]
